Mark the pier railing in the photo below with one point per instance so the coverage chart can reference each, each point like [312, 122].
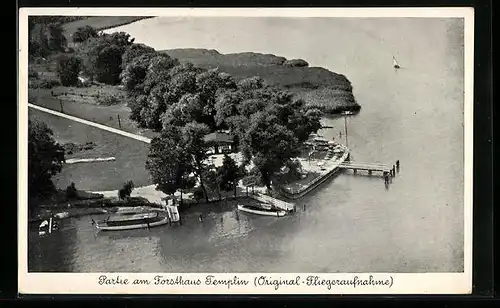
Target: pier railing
[283, 205]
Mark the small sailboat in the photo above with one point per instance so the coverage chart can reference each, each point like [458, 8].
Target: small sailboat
[395, 63]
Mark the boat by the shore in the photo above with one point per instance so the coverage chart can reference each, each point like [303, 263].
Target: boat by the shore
[132, 221]
[348, 112]
[261, 210]
[48, 226]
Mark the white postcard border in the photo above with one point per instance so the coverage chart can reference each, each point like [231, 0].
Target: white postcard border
[400, 283]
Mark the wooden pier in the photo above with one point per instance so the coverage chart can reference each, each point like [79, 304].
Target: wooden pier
[385, 170]
[366, 167]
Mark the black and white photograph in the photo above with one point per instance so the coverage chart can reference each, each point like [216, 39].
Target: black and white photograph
[246, 141]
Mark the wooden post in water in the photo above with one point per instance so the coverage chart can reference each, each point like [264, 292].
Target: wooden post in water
[345, 125]
[386, 177]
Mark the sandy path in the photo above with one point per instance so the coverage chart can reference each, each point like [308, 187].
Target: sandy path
[90, 123]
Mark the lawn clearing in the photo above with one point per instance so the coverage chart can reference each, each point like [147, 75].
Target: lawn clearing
[105, 115]
[130, 156]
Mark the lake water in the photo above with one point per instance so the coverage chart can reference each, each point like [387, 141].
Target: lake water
[351, 223]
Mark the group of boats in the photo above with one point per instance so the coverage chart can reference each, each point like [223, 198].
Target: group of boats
[139, 218]
[145, 218]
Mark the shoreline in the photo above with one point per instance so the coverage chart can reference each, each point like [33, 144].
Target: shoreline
[290, 193]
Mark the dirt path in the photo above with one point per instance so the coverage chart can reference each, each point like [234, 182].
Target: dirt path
[90, 123]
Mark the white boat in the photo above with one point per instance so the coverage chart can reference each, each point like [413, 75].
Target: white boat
[46, 227]
[261, 211]
[348, 112]
[62, 215]
[132, 221]
[173, 213]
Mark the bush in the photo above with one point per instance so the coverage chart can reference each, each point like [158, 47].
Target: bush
[68, 69]
[126, 190]
[108, 99]
[43, 84]
[198, 194]
[71, 192]
[32, 73]
[296, 63]
[84, 33]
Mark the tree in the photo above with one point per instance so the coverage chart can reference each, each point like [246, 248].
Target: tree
[134, 51]
[102, 56]
[213, 181]
[270, 126]
[147, 82]
[167, 161]
[270, 144]
[226, 107]
[71, 192]
[229, 174]
[195, 148]
[45, 158]
[56, 41]
[68, 69]
[84, 33]
[126, 190]
[45, 37]
[251, 83]
[134, 74]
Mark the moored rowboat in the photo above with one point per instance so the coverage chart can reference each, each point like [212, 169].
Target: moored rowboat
[261, 211]
[129, 222]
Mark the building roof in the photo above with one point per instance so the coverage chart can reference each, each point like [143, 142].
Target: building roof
[218, 137]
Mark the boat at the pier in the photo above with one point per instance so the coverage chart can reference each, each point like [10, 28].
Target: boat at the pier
[132, 221]
[261, 210]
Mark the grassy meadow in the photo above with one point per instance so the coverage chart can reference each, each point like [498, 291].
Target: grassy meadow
[326, 90]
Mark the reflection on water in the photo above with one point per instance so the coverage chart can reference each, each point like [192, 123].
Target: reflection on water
[350, 223]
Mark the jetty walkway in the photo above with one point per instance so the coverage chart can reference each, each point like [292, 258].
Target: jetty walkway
[283, 205]
[370, 167]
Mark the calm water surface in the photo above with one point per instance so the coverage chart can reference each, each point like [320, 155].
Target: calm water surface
[351, 223]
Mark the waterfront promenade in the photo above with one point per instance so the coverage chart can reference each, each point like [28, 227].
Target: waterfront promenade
[319, 170]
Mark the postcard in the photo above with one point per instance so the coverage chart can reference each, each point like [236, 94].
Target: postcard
[245, 151]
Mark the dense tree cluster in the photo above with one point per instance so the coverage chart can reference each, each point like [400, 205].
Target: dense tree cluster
[84, 33]
[102, 56]
[184, 103]
[68, 69]
[45, 158]
[45, 38]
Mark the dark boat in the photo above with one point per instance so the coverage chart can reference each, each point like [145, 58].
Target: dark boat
[132, 221]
